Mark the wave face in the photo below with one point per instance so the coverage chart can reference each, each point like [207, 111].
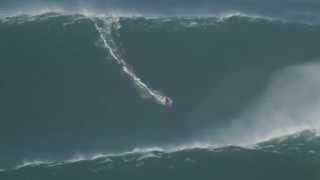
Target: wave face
[75, 85]
[292, 157]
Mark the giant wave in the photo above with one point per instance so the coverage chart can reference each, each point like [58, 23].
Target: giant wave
[232, 83]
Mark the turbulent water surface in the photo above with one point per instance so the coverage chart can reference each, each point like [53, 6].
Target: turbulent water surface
[159, 97]
[291, 157]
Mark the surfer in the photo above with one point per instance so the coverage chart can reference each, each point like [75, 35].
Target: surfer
[165, 100]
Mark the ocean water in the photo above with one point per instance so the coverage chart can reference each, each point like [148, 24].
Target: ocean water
[290, 157]
[161, 97]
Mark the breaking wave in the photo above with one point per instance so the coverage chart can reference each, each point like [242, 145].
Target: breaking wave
[236, 92]
[289, 152]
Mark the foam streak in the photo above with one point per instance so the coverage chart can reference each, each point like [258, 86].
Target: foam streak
[105, 32]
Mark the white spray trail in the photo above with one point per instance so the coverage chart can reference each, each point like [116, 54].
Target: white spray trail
[105, 32]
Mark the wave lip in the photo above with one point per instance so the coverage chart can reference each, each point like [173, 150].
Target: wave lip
[34, 163]
[304, 10]
[305, 143]
[47, 13]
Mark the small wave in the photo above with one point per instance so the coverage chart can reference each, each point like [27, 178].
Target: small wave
[33, 163]
[148, 156]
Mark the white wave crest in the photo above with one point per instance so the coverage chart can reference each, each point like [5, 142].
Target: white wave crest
[33, 163]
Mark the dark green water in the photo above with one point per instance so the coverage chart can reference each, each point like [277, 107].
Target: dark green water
[63, 95]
